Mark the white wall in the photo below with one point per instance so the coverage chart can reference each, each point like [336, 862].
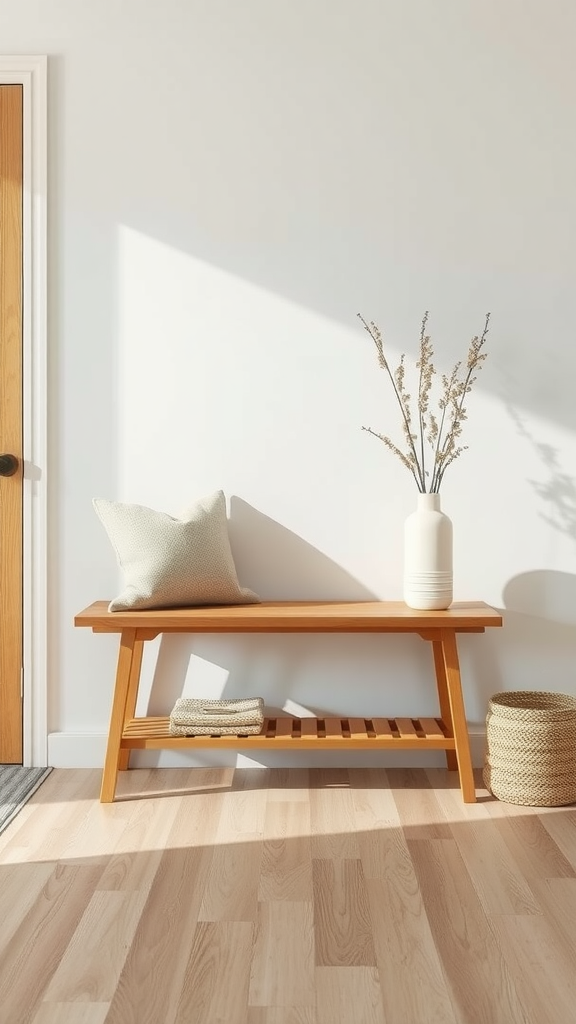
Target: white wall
[230, 184]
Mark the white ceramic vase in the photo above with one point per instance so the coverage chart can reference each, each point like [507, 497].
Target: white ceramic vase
[428, 556]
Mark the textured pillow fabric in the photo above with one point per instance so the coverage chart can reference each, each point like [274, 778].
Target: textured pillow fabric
[170, 562]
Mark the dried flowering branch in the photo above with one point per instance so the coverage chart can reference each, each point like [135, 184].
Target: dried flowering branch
[439, 435]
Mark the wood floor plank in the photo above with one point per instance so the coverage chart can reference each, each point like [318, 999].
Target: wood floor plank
[162, 942]
[147, 782]
[244, 806]
[282, 972]
[535, 853]
[286, 866]
[221, 951]
[411, 976]
[332, 815]
[288, 785]
[557, 897]
[413, 985]
[373, 802]
[489, 860]
[20, 887]
[281, 1015]
[197, 821]
[540, 966]
[164, 935]
[94, 833]
[342, 924]
[348, 995]
[136, 855]
[477, 977]
[231, 890]
[115, 826]
[64, 801]
[94, 958]
[378, 850]
[561, 827]
[71, 1013]
[379, 833]
[36, 948]
[152, 824]
[418, 809]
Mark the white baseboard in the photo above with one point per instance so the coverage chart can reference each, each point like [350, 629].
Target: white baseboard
[76, 750]
[86, 750]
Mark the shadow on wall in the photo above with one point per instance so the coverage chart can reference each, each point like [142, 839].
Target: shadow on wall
[545, 594]
[557, 490]
[278, 565]
[536, 649]
[281, 566]
[540, 628]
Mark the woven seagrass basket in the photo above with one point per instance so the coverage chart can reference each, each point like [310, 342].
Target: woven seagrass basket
[531, 748]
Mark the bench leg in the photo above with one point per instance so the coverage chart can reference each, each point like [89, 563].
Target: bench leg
[124, 758]
[458, 715]
[123, 679]
[444, 700]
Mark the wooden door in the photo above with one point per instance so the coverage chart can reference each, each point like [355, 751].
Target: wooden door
[11, 581]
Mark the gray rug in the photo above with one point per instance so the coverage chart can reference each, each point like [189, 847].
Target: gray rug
[16, 786]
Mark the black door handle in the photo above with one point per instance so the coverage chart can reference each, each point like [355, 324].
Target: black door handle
[8, 465]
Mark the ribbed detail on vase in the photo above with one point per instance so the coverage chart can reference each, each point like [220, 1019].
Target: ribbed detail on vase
[428, 580]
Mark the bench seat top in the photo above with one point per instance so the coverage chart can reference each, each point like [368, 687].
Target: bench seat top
[293, 617]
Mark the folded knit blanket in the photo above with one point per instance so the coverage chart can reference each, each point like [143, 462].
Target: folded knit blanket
[192, 716]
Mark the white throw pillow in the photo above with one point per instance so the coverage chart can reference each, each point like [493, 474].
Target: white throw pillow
[168, 562]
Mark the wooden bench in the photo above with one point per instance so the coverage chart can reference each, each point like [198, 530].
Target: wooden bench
[446, 732]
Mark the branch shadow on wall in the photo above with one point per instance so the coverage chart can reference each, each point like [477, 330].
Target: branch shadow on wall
[557, 490]
[538, 642]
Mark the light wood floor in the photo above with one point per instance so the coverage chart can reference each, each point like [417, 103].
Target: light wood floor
[285, 897]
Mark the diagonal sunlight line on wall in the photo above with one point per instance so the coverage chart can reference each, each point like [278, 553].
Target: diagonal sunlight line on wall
[227, 373]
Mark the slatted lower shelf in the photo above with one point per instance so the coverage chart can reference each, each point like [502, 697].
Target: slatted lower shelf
[285, 733]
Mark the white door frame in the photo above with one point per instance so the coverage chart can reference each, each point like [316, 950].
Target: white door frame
[31, 73]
